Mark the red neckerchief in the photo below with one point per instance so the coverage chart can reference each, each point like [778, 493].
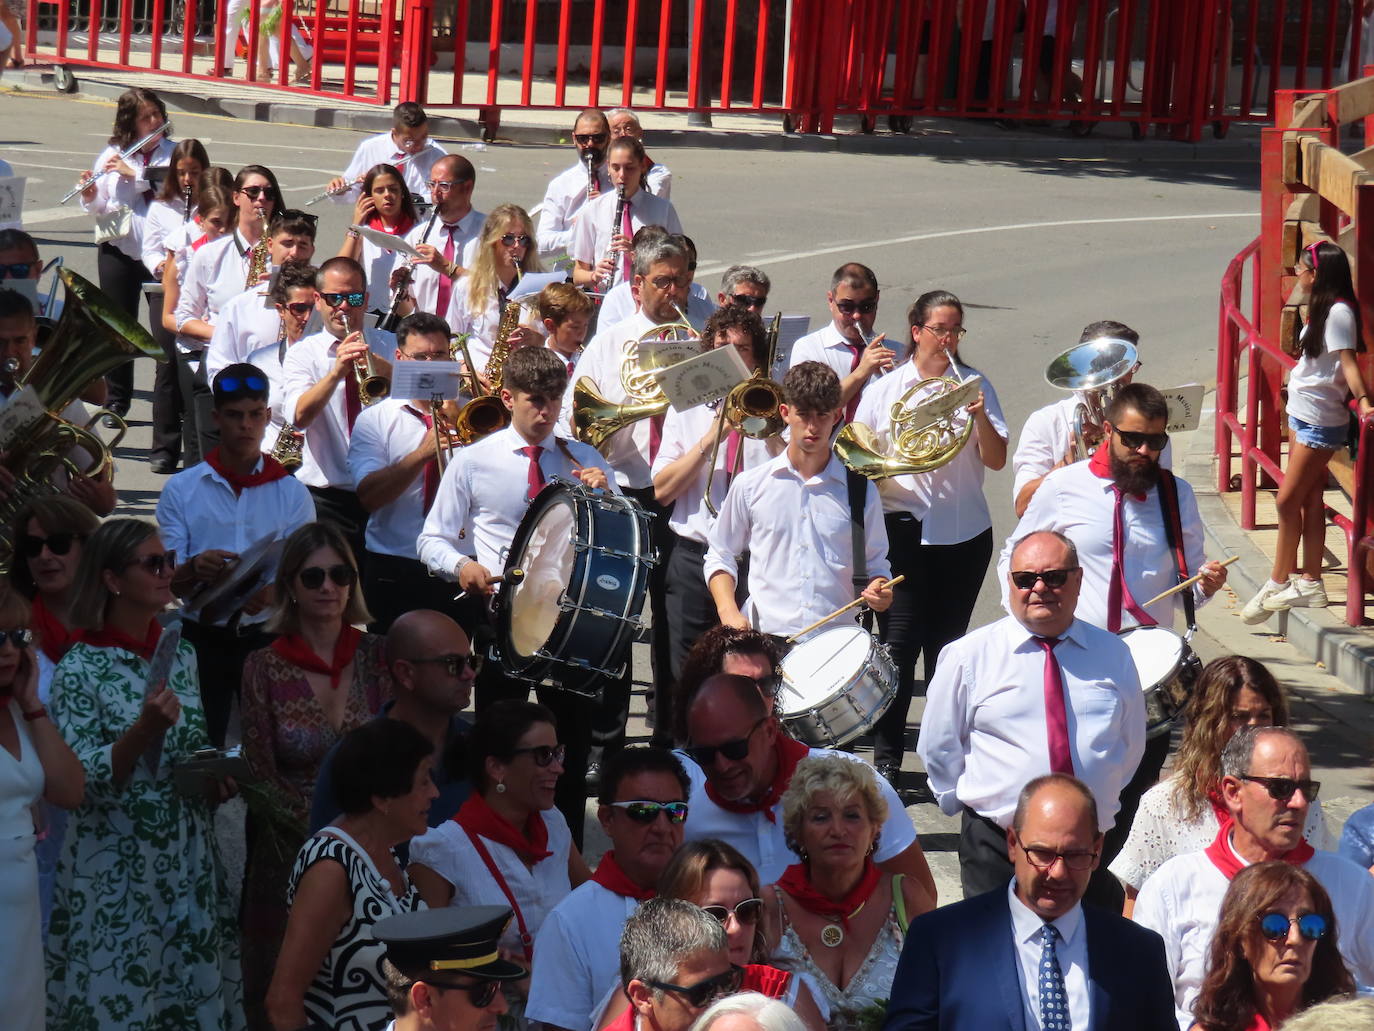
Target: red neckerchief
[198, 244]
[1224, 857]
[531, 844]
[109, 637]
[53, 637]
[789, 753]
[1214, 799]
[1259, 1024]
[611, 876]
[271, 471]
[797, 883]
[766, 980]
[1101, 465]
[294, 649]
[400, 229]
[624, 1022]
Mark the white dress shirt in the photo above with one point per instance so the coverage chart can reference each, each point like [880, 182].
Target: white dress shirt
[619, 303]
[562, 204]
[658, 180]
[1079, 504]
[247, 323]
[1045, 438]
[762, 840]
[113, 192]
[829, 346]
[377, 264]
[591, 238]
[682, 432]
[217, 274]
[163, 218]
[797, 532]
[382, 150]
[1028, 932]
[984, 735]
[1182, 903]
[383, 435]
[269, 359]
[198, 511]
[949, 500]
[483, 497]
[324, 462]
[424, 283]
[579, 956]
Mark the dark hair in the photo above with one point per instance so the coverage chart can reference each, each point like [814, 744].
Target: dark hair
[423, 323]
[1032, 788]
[560, 301]
[55, 513]
[1228, 1000]
[640, 759]
[215, 190]
[293, 222]
[854, 276]
[707, 657]
[594, 113]
[921, 308]
[1331, 283]
[1140, 398]
[743, 319]
[535, 370]
[1108, 328]
[407, 204]
[496, 735]
[463, 172]
[14, 305]
[631, 144]
[193, 149]
[273, 189]
[293, 275]
[338, 262]
[743, 689]
[811, 387]
[408, 115]
[12, 239]
[126, 115]
[239, 373]
[377, 760]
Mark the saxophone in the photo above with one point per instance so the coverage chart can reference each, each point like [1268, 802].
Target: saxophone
[500, 348]
[289, 448]
[258, 257]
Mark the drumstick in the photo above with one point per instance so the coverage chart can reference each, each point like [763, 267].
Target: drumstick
[1186, 583]
[514, 576]
[841, 610]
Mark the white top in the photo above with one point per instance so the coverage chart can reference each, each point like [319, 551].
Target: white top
[1182, 903]
[626, 450]
[591, 238]
[1078, 503]
[382, 150]
[984, 735]
[248, 322]
[798, 535]
[682, 431]
[481, 323]
[949, 500]
[619, 303]
[1316, 386]
[163, 218]
[1028, 932]
[217, 274]
[21, 785]
[324, 461]
[384, 434]
[1161, 831]
[198, 511]
[448, 851]
[180, 245]
[377, 265]
[424, 284]
[761, 840]
[482, 499]
[829, 346]
[658, 181]
[562, 204]
[269, 360]
[113, 192]
[578, 956]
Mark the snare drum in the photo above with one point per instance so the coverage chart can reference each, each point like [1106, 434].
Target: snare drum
[835, 686]
[1168, 672]
[574, 584]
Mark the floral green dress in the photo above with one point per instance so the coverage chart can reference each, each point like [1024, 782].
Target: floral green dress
[142, 934]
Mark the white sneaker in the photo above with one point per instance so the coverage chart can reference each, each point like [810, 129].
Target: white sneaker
[1255, 610]
[1298, 594]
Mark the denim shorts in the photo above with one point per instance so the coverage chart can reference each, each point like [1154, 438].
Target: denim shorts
[1324, 438]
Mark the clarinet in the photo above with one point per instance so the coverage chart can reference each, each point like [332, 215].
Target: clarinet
[187, 216]
[388, 320]
[620, 201]
[589, 159]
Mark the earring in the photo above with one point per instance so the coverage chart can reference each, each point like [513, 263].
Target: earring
[500, 788]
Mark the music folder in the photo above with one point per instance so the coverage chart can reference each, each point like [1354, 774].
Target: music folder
[1185, 407]
[426, 380]
[702, 378]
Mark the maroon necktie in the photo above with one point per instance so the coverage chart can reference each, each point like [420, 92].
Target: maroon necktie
[732, 446]
[628, 233]
[432, 466]
[853, 405]
[446, 284]
[1056, 715]
[1118, 594]
[353, 404]
[536, 476]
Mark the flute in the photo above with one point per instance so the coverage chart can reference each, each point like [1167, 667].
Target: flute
[348, 186]
[89, 179]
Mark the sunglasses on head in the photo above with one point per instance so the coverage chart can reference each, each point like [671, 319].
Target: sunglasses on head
[511, 239]
[543, 755]
[1281, 789]
[455, 664]
[748, 301]
[862, 307]
[19, 270]
[588, 138]
[354, 300]
[703, 993]
[1132, 441]
[1025, 579]
[312, 577]
[20, 638]
[233, 384]
[58, 543]
[297, 215]
[254, 192]
[647, 812]
[156, 564]
[480, 994]
[746, 912]
[705, 755]
[1274, 926]
[300, 309]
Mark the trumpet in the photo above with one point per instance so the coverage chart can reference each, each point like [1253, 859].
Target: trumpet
[89, 179]
[751, 408]
[372, 385]
[1095, 369]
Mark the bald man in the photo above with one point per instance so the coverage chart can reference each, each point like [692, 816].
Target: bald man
[446, 246]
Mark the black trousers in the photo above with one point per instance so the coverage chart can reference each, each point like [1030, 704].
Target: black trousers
[984, 864]
[660, 661]
[1146, 776]
[202, 400]
[196, 404]
[167, 400]
[930, 608]
[394, 585]
[343, 509]
[220, 655]
[690, 611]
[122, 278]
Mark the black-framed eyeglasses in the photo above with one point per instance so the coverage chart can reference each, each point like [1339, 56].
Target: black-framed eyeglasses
[353, 299]
[703, 993]
[543, 755]
[233, 384]
[1274, 926]
[300, 309]
[1075, 859]
[1025, 579]
[643, 811]
[587, 139]
[746, 912]
[254, 192]
[20, 637]
[748, 301]
[1132, 440]
[480, 994]
[30, 546]
[454, 665]
[312, 577]
[957, 333]
[511, 239]
[155, 564]
[705, 755]
[1281, 789]
[849, 307]
[18, 270]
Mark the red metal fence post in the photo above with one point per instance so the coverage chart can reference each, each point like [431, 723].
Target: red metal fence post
[417, 26]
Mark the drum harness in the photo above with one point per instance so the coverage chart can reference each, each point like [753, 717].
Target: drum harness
[858, 495]
[1173, 533]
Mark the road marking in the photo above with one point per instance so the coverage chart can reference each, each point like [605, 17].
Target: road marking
[44, 216]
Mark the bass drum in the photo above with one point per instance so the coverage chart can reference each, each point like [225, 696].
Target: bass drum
[1168, 672]
[573, 586]
[835, 686]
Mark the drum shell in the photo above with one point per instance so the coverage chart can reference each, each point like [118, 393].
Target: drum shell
[851, 709]
[1169, 685]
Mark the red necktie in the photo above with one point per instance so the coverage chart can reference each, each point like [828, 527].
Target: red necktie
[1056, 715]
[536, 476]
[628, 233]
[432, 466]
[446, 284]
[571, 367]
[1118, 594]
[732, 445]
[353, 404]
[853, 405]
[655, 436]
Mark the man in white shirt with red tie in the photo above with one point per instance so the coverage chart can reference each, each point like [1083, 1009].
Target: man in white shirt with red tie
[1039, 691]
[407, 147]
[392, 457]
[572, 188]
[848, 344]
[447, 241]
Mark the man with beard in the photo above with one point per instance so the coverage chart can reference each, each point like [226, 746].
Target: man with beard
[573, 187]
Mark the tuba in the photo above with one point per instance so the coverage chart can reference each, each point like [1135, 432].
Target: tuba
[1095, 369]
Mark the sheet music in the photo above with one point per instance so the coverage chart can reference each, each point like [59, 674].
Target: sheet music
[387, 241]
[532, 282]
[424, 380]
[702, 378]
[791, 329]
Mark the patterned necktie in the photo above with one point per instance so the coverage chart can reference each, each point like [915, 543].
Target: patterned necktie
[1118, 594]
[536, 476]
[1054, 1001]
[446, 284]
[1056, 712]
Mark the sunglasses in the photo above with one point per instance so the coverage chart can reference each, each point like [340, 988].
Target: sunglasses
[1044, 858]
[57, 543]
[297, 215]
[454, 665]
[703, 993]
[705, 755]
[1132, 441]
[746, 912]
[232, 384]
[19, 270]
[748, 301]
[20, 638]
[480, 994]
[1274, 926]
[354, 300]
[254, 192]
[647, 812]
[300, 309]
[156, 564]
[543, 755]
[862, 307]
[1281, 789]
[588, 138]
[312, 577]
[1025, 579]
[511, 239]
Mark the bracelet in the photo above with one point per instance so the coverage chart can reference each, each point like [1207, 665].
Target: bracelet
[37, 714]
[353, 234]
